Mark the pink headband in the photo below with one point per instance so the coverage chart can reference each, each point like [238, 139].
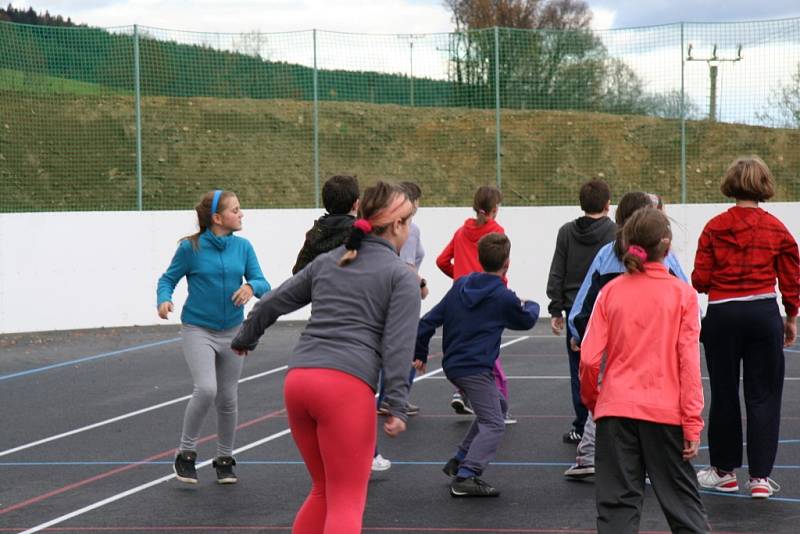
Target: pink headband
[391, 212]
[638, 251]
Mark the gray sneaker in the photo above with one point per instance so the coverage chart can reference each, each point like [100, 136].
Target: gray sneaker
[579, 472]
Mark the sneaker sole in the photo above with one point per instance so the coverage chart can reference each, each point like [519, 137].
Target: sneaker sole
[461, 494]
[185, 480]
[227, 480]
[722, 489]
[580, 475]
[760, 495]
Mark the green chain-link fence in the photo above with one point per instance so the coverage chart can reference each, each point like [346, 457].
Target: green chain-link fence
[270, 116]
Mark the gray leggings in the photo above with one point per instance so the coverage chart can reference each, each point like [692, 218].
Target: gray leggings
[215, 371]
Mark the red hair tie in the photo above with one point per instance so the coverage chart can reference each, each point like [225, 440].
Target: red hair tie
[638, 251]
[363, 225]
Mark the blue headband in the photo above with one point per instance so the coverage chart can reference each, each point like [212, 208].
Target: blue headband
[215, 202]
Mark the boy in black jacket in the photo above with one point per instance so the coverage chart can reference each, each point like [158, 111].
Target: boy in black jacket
[474, 312]
[576, 246]
[340, 198]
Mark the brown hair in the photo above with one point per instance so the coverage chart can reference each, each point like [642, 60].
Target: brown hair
[594, 196]
[203, 209]
[648, 228]
[413, 190]
[486, 199]
[493, 251]
[628, 204]
[378, 198]
[748, 178]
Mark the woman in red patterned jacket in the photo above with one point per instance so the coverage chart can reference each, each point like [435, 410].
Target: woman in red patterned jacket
[740, 254]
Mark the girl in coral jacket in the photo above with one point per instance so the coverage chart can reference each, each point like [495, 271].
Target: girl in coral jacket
[648, 408]
[740, 254]
[460, 258]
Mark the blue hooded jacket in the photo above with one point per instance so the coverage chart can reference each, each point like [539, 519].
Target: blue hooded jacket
[214, 272]
[605, 267]
[474, 312]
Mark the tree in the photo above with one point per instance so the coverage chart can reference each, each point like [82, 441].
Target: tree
[560, 65]
[783, 108]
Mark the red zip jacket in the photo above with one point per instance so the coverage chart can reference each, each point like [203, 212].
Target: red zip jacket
[648, 324]
[460, 256]
[741, 252]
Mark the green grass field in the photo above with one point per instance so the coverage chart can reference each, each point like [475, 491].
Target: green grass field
[68, 145]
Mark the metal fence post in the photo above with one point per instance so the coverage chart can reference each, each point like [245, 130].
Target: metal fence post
[137, 99]
[497, 105]
[683, 122]
[316, 126]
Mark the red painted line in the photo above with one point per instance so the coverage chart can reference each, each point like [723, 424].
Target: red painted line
[274, 528]
[116, 471]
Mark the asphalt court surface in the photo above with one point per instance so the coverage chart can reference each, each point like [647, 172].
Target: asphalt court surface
[90, 422]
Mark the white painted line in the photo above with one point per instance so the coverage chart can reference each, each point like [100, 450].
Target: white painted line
[141, 487]
[163, 479]
[124, 416]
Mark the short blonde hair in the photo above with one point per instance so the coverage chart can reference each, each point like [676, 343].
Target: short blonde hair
[748, 178]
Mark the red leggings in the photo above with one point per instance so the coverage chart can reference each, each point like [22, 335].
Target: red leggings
[332, 417]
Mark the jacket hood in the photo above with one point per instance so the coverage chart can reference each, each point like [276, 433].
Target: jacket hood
[744, 226]
[333, 224]
[589, 231]
[473, 232]
[476, 287]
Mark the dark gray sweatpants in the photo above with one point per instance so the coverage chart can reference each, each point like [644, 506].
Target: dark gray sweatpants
[626, 450]
[484, 436]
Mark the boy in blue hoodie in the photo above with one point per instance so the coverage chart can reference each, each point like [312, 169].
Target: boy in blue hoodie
[474, 312]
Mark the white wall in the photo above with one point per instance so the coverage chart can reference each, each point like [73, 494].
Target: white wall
[62, 271]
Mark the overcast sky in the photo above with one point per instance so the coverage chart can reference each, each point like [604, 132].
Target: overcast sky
[378, 16]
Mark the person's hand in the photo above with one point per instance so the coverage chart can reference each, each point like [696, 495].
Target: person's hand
[690, 449]
[393, 426]
[164, 309]
[423, 292]
[420, 366]
[789, 331]
[573, 345]
[240, 352]
[242, 295]
[557, 325]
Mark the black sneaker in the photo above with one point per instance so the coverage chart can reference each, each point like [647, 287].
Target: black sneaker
[184, 467]
[224, 466]
[472, 487]
[451, 467]
[573, 436]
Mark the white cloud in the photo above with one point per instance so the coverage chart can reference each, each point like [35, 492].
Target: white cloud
[361, 16]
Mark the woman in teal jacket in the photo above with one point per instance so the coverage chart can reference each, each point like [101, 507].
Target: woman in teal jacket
[214, 262]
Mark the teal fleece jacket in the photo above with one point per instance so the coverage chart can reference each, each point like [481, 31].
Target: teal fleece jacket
[214, 272]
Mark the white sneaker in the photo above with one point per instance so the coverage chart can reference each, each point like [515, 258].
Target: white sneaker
[509, 419]
[762, 488]
[711, 479]
[379, 463]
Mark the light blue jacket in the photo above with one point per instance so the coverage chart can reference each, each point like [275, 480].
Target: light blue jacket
[214, 272]
[605, 267]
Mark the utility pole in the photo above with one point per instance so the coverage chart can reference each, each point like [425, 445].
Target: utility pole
[411, 38]
[713, 61]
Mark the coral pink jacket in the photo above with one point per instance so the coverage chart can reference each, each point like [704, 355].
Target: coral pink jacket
[648, 326]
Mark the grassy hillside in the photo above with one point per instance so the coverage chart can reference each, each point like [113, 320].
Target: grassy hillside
[77, 151]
